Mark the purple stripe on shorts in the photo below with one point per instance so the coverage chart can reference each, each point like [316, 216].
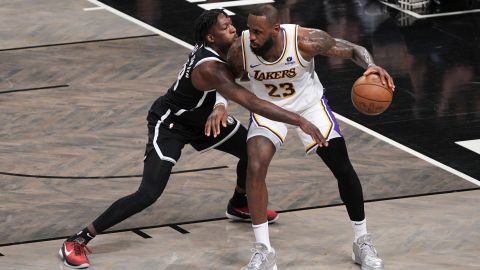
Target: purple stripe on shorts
[336, 126]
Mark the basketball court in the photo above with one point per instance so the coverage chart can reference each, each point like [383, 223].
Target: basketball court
[78, 77]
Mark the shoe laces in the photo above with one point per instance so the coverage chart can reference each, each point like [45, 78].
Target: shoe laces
[81, 248]
[257, 257]
[368, 248]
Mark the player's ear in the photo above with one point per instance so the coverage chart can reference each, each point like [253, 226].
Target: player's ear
[210, 38]
[276, 29]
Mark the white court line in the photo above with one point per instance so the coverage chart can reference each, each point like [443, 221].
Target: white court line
[420, 16]
[93, 8]
[142, 24]
[344, 119]
[233, 4]
[408, 150]
[473, 145]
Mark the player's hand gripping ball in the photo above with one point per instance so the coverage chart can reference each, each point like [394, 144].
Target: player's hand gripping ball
[370, 96]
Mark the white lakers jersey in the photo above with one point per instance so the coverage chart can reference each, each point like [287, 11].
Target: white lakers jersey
[290, 82]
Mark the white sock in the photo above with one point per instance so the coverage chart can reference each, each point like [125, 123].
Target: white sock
[359, 228]
[261, 234]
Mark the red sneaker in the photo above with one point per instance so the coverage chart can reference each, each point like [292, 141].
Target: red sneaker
[243, 214]
[74, 254]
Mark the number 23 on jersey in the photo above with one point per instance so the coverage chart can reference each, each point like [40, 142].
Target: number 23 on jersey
[283, 90]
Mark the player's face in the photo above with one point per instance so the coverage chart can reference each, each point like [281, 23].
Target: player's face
[223, 31]
[262, 34]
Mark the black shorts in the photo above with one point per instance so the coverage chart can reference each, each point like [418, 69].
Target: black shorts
[167, 136]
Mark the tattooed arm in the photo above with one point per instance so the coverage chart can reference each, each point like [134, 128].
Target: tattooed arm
[235, 58]
[313, 42]
[216, 75]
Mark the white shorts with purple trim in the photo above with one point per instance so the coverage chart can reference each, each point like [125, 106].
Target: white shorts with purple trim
[319, 114]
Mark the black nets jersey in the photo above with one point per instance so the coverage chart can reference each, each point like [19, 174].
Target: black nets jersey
[183, 103]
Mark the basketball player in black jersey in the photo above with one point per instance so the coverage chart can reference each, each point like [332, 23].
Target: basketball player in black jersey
[179, 117]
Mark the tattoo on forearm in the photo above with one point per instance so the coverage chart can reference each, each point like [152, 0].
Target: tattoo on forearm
[319, 41]
[358, 54]
[235, 59]
[362, 57]
[341, 49]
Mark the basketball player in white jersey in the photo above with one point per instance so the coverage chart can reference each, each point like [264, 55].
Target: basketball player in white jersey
[279, 62]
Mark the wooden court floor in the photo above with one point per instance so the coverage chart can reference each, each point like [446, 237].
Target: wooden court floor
[75, 87]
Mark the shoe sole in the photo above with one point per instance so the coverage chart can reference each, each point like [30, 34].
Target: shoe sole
[82, 266]
[232, 217]
[355, 260]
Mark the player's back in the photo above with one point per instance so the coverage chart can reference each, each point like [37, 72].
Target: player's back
[290, 81]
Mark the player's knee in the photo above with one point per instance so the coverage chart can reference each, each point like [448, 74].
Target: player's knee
[344, 171]
[257, 166]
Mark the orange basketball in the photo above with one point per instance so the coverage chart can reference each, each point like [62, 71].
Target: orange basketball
[370, 96]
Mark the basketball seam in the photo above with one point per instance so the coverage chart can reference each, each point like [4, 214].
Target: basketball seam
[370, 99]
[386, 88]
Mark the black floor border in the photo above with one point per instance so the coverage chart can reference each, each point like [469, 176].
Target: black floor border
[141, 233]
[76, 42]
[106, 177]
[224, 218]
[383, 199]
[179, 229]
[34, 88]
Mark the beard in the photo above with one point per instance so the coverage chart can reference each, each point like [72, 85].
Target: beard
[262, 50]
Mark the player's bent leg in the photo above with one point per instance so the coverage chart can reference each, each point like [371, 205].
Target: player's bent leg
[155, 177]
[260, 153]
[336, 158]
[237, 208]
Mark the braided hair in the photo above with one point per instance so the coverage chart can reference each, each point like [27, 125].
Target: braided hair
[204, 22]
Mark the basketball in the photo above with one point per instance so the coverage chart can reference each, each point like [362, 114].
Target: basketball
[370, 96]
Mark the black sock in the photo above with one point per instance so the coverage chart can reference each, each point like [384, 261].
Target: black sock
[83, 236]
[239, 199]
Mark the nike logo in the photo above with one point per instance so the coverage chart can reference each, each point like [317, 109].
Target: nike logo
[67, 253]
[254, 66]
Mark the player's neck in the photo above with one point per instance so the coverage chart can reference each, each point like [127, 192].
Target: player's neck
[221, 51]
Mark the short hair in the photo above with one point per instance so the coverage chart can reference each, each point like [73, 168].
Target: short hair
[269, 11]
[204, 22]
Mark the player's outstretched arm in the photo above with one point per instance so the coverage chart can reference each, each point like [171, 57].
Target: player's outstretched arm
[313, 42]
[235, 58]
[216, 75]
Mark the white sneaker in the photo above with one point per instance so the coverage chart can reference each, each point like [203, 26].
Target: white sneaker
[262, 259]
[365, 254]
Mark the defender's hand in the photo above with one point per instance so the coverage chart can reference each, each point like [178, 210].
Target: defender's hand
[218, 116]
[313, 131]
[384, 76]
